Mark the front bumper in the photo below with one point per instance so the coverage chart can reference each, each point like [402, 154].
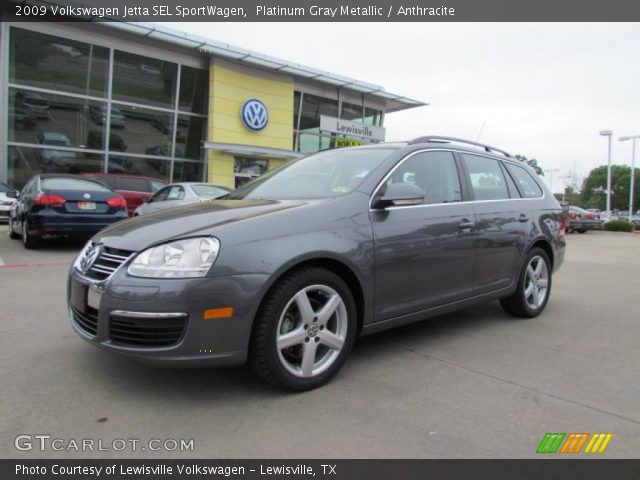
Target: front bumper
[223, 341]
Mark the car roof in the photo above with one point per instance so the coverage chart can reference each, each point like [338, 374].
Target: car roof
[121, 175]
[191, 184]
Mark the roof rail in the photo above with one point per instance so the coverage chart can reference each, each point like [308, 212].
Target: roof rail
[441, 139]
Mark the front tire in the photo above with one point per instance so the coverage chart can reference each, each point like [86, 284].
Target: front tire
[534, 286]
[582, 230]
[304, 330]
[12, 233]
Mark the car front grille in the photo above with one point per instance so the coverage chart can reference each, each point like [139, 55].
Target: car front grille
[108, 262]
[87, 321]
[146, 332]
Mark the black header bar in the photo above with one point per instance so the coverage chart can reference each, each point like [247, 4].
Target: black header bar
[324, 10]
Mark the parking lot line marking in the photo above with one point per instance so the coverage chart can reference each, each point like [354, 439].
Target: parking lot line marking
[31, 265]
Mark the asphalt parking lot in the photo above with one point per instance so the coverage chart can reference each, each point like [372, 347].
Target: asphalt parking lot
[474, 384]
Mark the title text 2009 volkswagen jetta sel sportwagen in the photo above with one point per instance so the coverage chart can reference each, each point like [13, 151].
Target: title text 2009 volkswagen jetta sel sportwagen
[290, 268]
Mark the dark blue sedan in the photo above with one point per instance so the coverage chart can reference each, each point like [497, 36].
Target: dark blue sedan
[63, 205]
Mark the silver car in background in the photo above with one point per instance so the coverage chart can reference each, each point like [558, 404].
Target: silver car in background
[181, 194]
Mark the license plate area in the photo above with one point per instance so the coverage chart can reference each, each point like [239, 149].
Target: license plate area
[86, 205]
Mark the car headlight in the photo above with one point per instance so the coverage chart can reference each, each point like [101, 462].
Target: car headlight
[188, 258]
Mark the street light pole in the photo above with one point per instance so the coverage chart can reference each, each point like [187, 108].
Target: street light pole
[608, 133]
[633, 169]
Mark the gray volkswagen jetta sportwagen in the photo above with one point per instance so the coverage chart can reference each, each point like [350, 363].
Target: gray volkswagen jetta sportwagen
[290, 268]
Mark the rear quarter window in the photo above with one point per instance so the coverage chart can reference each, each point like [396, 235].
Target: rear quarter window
[526, 183]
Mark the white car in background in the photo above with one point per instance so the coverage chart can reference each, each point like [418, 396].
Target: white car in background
[8, 197]
[181, 194]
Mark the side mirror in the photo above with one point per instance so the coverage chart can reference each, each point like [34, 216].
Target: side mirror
[401, 195]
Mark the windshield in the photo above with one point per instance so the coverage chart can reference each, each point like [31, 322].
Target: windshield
[4, 188]
[208, 191]
[323, 175]
[73, 184]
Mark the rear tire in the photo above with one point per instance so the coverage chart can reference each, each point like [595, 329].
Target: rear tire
[304, 330]
[534, 286]
[582, 230]
[29, 241]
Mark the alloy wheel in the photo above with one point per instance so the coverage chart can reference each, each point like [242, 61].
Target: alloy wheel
[536, 284]
[312, 331]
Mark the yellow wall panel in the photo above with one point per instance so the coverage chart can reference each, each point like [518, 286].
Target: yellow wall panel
[221, 169]
[228, 90]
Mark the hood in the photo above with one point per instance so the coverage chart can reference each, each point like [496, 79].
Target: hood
[4, 198]
[205, 218]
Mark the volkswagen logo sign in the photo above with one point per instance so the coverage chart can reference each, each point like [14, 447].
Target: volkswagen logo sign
[87, 196]
[89, 258]
[255, 115]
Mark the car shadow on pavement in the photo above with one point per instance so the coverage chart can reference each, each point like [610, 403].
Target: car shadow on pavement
[192, 386]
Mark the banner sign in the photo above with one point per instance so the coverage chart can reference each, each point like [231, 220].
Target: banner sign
[347, 127]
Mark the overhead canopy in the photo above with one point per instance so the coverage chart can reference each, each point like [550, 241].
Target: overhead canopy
[252, 151]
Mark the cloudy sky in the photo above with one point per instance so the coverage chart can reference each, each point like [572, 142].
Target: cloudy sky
[543, 90]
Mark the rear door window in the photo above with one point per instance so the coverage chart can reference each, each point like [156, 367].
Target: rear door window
[486, 178]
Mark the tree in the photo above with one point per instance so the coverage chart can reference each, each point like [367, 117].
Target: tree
[532, 162]
[594, 188]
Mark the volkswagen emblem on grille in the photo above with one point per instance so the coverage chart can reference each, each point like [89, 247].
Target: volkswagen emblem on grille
[87, 196]
[89, 258]
[254, 114]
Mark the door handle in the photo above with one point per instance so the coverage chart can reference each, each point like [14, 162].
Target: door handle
[466, 224]
[523, 218]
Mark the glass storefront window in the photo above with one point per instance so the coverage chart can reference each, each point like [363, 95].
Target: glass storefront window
[296, 109]
[194, 89]
[147, 167]
[143, 130]
[51, 119]
[314, 106]
[351, 111]
[25, 162]
[189, 137]
[144, 80]
[188, 171]
[56, 63]
[246, 169]
[372, 117]
[310, 143]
